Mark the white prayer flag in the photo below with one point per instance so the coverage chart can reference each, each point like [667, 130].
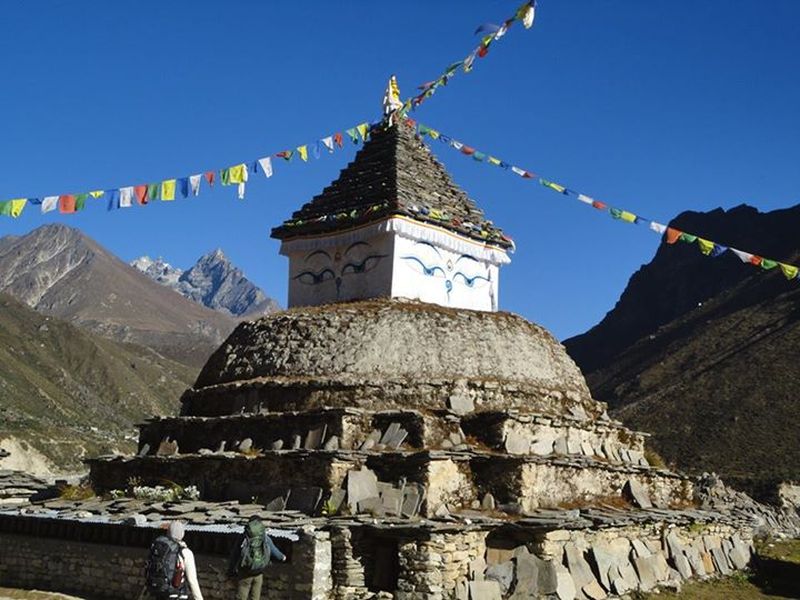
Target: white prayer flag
[266, 164]
[585, 199]
[49, 204]
[745, 257]
[658, 227]
[194, 184]
[125, 197]
[241, 190]
[328, 141]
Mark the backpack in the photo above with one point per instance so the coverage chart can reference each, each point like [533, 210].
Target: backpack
[254, 556]
[163, 576]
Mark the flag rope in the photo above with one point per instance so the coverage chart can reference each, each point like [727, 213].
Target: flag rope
[670, 235]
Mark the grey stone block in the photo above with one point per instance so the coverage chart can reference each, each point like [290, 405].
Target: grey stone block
[304, 499]
[314, 437]
[361, 484]
[502, 573]
[636, 493]
[332, 443]
[484, 590]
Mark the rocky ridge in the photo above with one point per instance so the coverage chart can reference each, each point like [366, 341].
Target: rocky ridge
[212, 281]
[700, 351]
[59, 271]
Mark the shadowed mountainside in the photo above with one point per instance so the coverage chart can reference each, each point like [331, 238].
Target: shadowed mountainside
[702, 351]
[69, 393]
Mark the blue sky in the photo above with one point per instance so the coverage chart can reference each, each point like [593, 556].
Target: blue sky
[657, 107]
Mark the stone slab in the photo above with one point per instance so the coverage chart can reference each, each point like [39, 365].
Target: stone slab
[361, 484]
[485, 590]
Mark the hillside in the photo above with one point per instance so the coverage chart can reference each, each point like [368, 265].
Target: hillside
[69, 393]
[212, 281]
[59, 271]
[701, 351]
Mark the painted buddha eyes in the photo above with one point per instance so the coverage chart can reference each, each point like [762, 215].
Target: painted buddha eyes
[322, 267]
[465, 270]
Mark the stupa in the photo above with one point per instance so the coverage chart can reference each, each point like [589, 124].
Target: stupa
[440, 448]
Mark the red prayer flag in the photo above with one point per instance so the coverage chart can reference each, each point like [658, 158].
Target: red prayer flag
[483, 51]
[66, 204]
[210, 177]
[673, 235]
[528, 175]
[467, 150]
[756, 260]
[337, 138]
[599, 205]
[140, 191]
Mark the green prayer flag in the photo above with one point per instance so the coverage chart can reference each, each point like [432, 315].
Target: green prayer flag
[353, 135]
[478, 156]
[152, 191]
[688, 238]
[768, 264]
[80, 201]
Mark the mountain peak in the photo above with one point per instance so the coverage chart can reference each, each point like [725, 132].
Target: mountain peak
[212, 281]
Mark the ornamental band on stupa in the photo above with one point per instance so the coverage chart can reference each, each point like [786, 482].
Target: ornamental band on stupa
[400, 436]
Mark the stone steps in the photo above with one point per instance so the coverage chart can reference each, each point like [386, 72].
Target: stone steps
[448, 480]
[514, 433]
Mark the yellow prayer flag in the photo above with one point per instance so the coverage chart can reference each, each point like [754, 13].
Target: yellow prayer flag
[303, 152]
[168, 189]
[629, 217]
[17, 206]
[434, 134]
[493, 160]
[237, 174]
[362, 129]
[96, 194]
[789, 271]
[706, 247]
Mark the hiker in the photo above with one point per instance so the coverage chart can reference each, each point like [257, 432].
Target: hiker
[170, 571]
[249, 559]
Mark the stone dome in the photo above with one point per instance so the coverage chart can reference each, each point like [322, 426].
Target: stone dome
[361, 350]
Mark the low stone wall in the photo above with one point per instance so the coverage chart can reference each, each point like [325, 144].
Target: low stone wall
[111, 571]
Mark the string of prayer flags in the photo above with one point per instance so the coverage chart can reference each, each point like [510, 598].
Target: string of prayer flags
[671, 235]
[167, 189]
[525, 13]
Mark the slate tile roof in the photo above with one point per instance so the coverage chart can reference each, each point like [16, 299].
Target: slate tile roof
[393, 174]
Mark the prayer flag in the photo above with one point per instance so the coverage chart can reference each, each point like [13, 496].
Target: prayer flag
[468, 62]
[80, 201]
[743, 256]
[210, 177]
[789, 271]
[286, 155]
[434, 134]
[553, 186]
[328, 143]
[237, 173]
[125, 197]
[585, 199]
[456, 144]
[152, 191]
[493, 160]
[768, 264]
[140, 192]
[66, 204]
[34, 201]
[658, 227]
[628, 217]
[266, 165]
[49, 204]
[519, 171]
[96, 194]
[688, 238]
[755, 260]
[718, 250]
[363, 129]
[303, 152]
[184, 183]
[423, 129]
[673, 235]
[467, 150]
[315, 151]
[353, 135]
[479, 156]
[599, 205]
[240, 190]
[706, 246]
[194, 184]
[168, 189]
[113, 199]
[338, 139]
